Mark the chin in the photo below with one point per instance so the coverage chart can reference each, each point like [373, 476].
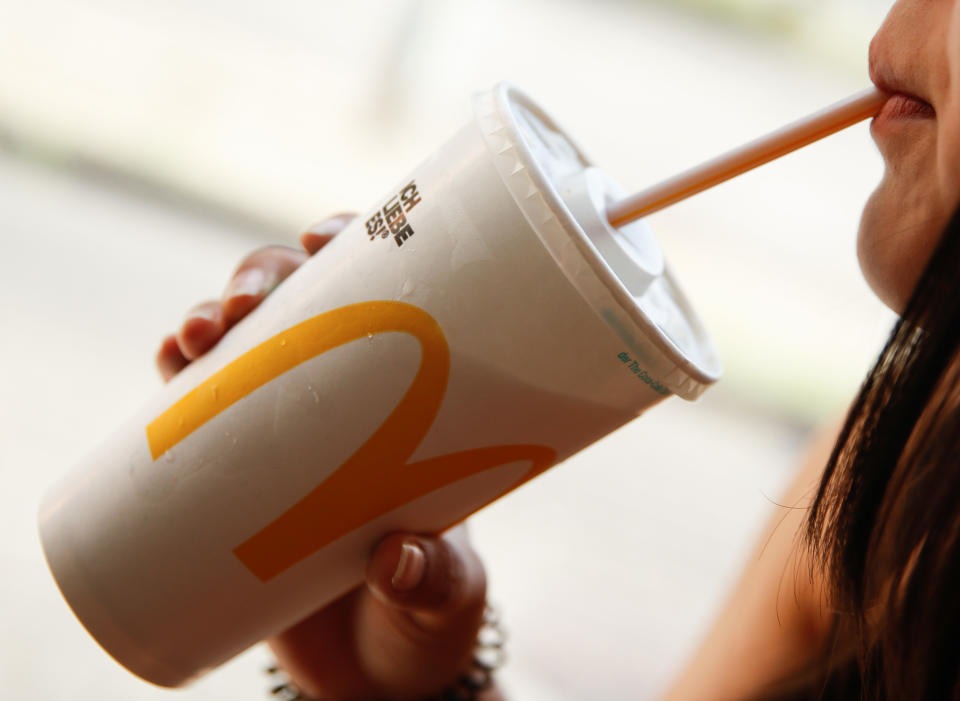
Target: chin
[876, 224]
[882, 250]
[895, 242]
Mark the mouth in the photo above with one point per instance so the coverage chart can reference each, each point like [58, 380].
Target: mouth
[903, 105]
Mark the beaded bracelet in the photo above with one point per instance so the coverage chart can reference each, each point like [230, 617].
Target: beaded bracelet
[488, 656]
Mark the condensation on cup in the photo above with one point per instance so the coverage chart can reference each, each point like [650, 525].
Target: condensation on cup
[480, 324]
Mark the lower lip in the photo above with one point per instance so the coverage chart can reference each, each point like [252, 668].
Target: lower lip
[901, 108]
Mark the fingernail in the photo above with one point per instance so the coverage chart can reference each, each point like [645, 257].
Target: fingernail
[410, 569]
[205, 312]
[329, 226]
[250, 283]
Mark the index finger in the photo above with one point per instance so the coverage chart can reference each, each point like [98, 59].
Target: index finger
[256, 277]
[320, 234]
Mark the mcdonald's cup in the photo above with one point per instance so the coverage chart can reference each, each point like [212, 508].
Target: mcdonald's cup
[480, 323]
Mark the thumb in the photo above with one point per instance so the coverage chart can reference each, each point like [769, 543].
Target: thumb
[418, 630]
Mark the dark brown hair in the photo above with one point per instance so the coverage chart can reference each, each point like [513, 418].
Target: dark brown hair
[884, 528]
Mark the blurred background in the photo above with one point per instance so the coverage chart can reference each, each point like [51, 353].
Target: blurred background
[146, 147]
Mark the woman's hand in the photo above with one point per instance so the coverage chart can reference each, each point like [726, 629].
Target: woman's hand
[409, 631]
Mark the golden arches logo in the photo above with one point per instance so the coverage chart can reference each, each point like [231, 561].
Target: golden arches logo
[377, 478]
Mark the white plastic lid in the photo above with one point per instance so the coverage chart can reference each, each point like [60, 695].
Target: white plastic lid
[620, 272]
[631, 251]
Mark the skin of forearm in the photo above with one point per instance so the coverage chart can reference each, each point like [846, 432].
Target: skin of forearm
[492, 694]
[775, 620]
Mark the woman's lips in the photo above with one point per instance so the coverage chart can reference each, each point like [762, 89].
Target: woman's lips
[902, 106]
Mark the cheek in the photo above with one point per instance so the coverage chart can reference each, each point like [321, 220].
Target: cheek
[948, 116]
[948, 153]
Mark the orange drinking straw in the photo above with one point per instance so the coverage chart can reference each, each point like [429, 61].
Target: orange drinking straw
[843, 114]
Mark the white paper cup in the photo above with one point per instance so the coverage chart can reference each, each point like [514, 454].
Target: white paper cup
[400, 380]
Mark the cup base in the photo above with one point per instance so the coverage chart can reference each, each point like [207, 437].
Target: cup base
[75, 588]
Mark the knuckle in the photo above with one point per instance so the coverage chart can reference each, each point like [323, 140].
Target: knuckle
[460, 579]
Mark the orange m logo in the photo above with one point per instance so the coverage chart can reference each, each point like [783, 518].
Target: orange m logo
[377, 478]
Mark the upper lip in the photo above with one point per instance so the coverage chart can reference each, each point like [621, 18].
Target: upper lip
[889, 80]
